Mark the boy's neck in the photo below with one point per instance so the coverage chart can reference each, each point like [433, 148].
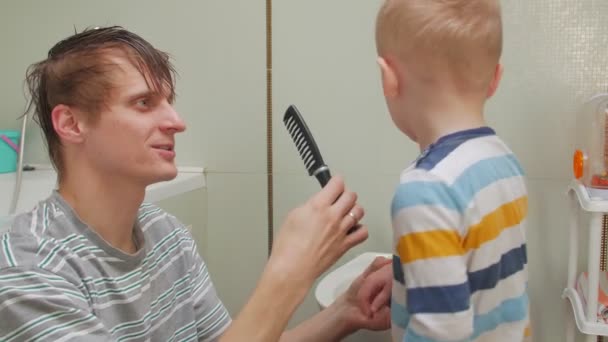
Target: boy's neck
[105, 204]
[432, 123]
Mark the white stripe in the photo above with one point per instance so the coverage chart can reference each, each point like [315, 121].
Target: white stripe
[29, 296]
[162, 300]
[420, 219]
[151, 222]
[73, 334]
[511, 287]
[45, 217]
[10, 257]
[220, 331]
[202, 294]
[98, 258]
[142, 290]
[33, 223]
[146, 319]
[493, 196]
[469, 153]
[165, 317]
[441, 271]
[399, 293]
[67, 325]
[417, 175]
[445, 326]
[211, 327]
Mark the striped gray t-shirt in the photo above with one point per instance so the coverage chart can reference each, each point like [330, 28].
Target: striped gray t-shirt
[60, 281]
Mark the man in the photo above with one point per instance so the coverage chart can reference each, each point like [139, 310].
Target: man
[92, 262]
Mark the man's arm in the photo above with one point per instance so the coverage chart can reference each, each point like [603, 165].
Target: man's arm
[329, 325]
[348, 314]
[310, 240]
[39, 305]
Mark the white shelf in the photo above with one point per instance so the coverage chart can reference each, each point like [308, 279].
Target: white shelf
[38, 184]
[585, 326]
[586, 203]
[585, 316]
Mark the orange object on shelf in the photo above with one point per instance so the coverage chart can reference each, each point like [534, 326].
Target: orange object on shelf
[578, 164]
[590, 158]
[600, 181]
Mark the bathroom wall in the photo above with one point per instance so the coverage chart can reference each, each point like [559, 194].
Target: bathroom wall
[324, 62]
[554, 57]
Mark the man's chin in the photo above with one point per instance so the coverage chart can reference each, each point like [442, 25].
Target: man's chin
[163, 176]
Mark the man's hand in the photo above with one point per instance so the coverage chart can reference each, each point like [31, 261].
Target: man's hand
[315, 235]
[365, 303]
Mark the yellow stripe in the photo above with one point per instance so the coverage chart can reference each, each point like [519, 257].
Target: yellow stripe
[528, 331]
[490, 227]
[430, 244]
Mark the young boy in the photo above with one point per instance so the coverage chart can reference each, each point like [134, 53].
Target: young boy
[459, 212]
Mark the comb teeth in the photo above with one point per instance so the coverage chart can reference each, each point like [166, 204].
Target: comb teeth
[300, 141]
[302, 138]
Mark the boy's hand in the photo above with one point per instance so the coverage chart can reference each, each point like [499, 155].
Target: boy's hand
[357, 313]
[375, 290]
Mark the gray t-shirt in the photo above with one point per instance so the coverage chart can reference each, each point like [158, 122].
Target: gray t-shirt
[60, 281]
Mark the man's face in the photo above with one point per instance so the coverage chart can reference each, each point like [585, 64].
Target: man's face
[133, 137]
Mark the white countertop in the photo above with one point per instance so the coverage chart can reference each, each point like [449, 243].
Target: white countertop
[38, 184]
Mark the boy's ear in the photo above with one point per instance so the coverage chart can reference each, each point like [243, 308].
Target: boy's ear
[67, 123]
[495, 80]
[390, 81]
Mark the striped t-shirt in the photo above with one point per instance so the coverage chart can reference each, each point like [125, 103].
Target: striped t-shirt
[60, 281]
[459, 217]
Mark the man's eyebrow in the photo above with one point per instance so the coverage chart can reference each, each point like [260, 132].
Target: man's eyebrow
[142, 94]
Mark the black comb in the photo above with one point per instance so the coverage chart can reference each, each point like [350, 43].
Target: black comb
[305, 143]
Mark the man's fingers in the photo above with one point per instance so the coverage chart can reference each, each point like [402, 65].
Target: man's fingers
[330, 193]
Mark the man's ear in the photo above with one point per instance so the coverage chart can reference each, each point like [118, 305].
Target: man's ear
[67, 123]
[495, 80]
[390, 80]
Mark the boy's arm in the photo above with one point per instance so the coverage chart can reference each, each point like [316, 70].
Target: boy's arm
[430, 267]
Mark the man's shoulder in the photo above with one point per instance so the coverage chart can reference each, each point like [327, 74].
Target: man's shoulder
[157, 224]
[22, 249]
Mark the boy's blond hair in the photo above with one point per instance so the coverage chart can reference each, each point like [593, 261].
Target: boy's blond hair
[459, 41]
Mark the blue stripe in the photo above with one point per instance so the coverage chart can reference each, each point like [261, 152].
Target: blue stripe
[509, 264]
[511, 310]
[398, 270]
[419, 193]
[439, 299]
[456, 197]
[401, 318]
[447, 144]
[399, 315]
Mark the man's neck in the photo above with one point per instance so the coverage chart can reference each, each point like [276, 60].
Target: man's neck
[106, 204]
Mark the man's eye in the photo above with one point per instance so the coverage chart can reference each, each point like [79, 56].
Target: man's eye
[143, 103]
